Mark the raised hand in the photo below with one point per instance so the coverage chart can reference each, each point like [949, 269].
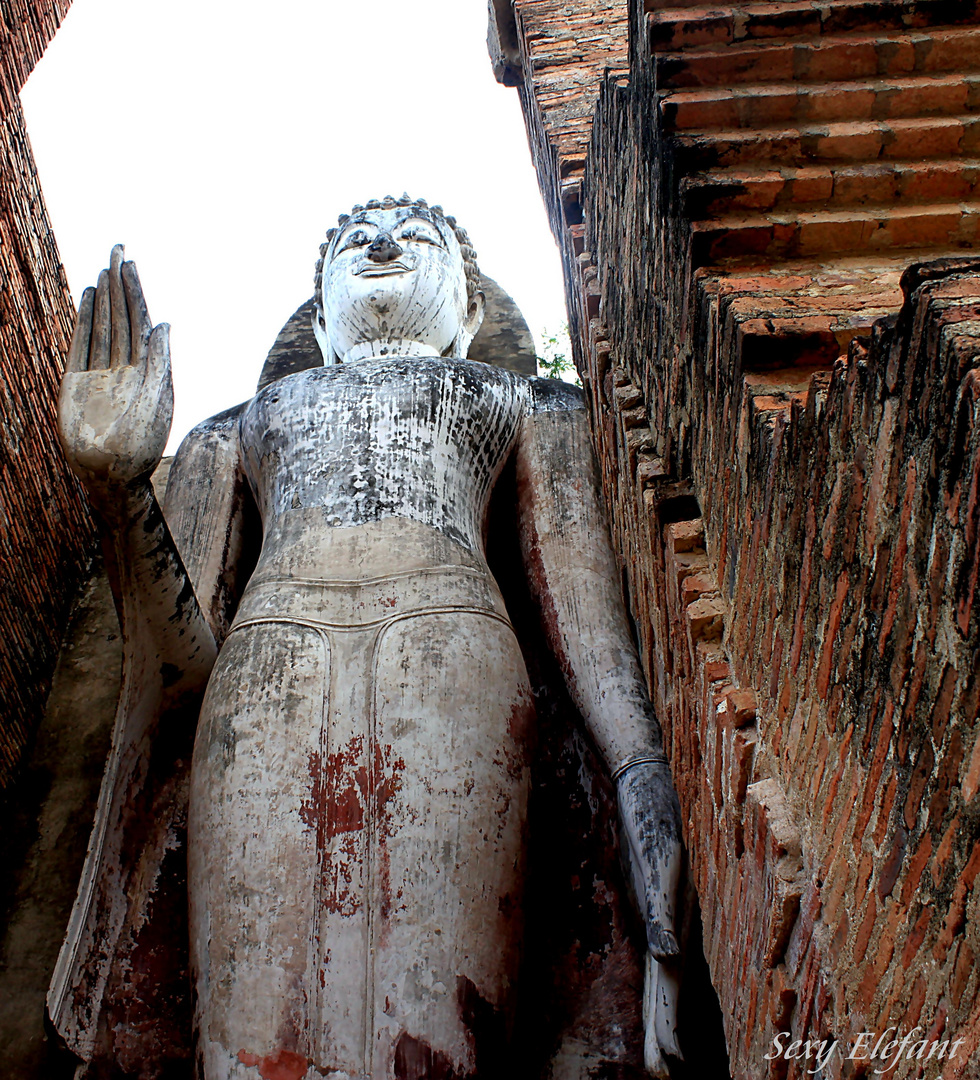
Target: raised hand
[116, 402]
[651, 821]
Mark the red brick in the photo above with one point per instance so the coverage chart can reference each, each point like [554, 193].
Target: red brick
[956, 916]
[872, 791]
[920, 777]
[965, 963]
[892, 865]
[876, 964]
[916, 1001]
[916, 936]
[865, 868]
[884, 812]
[971, 781]
[830, 634]
[915, 868]
[947, 776]
[685, 536]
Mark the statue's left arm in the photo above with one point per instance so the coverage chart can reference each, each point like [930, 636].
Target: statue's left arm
[575, 579]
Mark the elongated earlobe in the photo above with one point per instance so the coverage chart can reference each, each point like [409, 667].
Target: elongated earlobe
[475, 311]
[471, 324]
[323, 339]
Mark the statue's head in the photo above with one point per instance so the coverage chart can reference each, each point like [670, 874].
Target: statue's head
[396, 277]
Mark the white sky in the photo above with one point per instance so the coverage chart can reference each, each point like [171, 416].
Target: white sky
[220, 140]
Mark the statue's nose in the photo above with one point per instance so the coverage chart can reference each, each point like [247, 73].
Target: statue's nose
[383, 249]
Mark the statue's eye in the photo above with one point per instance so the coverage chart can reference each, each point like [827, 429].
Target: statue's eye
[357, 239]
[420, 234]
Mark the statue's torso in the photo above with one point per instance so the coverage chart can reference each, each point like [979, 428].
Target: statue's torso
[339, 447]
[361, 771]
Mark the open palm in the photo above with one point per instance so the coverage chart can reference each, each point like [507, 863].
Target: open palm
[116, 402]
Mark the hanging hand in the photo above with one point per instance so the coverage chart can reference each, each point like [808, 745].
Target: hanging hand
[651, 821]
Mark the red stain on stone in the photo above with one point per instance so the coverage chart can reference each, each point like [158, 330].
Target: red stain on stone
[349, 789]
[520, 723]
[520, 729]
[384, 783]
[284, 1066]
[336, 809]
[336, 802]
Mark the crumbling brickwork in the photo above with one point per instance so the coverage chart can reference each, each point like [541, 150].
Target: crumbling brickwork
[45, 532]
[765, 224]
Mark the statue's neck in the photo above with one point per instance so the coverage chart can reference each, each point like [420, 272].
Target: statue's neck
[367, 350]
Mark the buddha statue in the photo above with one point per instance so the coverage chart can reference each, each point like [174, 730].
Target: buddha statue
[323, 694]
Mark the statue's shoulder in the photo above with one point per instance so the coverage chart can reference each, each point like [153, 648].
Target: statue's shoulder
[206, 437]
[554, 395]
[218, 426]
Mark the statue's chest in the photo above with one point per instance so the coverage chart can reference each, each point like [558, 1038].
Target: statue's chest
[383, 437]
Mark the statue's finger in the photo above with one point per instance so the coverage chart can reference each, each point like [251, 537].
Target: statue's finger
[81, 339]
[158, 355]
[119, 354]
[139, 318]
[664, 988]
[98, 357]
[653, 1002]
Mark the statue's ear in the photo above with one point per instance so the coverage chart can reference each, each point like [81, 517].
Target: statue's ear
[322, 338]
[475, 310]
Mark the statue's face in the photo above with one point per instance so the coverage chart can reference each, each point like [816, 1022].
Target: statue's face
[395, 278]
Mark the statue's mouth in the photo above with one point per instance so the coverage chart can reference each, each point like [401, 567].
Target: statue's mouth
[373, 269]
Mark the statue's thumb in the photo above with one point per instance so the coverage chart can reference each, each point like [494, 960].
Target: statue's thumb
[158, 384]
[158, 353]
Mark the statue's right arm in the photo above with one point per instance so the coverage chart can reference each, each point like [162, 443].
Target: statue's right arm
[114, 413]
[172, 594]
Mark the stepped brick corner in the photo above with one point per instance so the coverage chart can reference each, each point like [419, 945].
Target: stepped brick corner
[765, 214]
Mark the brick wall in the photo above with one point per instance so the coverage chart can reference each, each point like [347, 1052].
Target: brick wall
[45, 531]
[26, 27]
[786, 420]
